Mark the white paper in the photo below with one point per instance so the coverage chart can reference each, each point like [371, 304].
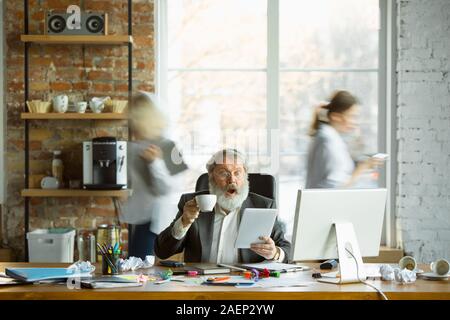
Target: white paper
[274, 266]
[261, 283]
[9, 281]
[282, 282]
[82, 267]
[190, 282]
[332, 274]
[387, 272]
[134, 263]
[198, 281]
[370, 271]
[404, 276]
[108, 285]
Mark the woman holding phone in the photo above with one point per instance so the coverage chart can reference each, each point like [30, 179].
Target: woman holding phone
[330, 164]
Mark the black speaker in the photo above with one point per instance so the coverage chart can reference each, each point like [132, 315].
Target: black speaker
[56, 24]
[95, 24]
[91, 23]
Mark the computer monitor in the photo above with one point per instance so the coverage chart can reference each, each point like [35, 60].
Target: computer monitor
[339, 223]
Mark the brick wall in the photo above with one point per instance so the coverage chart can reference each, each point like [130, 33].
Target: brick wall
[81, 73]
[424, 128]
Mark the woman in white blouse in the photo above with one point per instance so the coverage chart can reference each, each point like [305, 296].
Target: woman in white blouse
[153, 162]
[330, 164]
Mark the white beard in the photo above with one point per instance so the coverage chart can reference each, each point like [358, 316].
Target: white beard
[233, 203]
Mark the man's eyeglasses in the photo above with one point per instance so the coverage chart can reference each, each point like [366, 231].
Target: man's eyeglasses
[225, 175]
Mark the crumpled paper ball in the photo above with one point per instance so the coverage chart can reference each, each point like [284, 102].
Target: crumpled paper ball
[82, 267]
[405, 275]
[387, 272]
[134, 263]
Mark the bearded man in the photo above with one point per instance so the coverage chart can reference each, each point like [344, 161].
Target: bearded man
[210, 236]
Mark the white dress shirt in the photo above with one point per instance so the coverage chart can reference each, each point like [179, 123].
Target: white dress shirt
[224, 236]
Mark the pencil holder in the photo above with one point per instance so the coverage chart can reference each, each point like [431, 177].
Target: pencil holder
[110, 264]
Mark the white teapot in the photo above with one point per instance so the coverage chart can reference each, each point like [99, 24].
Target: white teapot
[60, 103]
[97, 104]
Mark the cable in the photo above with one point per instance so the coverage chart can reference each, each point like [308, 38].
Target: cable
[363, 281]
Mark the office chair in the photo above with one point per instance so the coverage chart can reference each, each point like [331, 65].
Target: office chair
[262, 184]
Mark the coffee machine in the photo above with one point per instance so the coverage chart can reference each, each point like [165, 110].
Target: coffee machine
[105, 164]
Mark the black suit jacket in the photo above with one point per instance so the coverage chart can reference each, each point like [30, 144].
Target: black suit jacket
[198, 239]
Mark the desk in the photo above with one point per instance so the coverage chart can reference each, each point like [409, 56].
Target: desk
[422, 289]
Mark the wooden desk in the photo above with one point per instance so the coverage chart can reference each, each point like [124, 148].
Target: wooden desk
[422, 289]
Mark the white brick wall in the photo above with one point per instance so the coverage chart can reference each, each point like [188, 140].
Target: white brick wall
[423, 195]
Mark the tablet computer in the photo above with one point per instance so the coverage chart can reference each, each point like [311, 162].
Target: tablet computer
[254, 224]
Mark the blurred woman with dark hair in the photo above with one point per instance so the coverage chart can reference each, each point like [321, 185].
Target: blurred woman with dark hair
[330, 164]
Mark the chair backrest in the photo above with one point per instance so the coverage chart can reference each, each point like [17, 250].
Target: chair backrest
[262, 184]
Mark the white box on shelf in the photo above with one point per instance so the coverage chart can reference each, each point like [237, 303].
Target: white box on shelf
[47, 246]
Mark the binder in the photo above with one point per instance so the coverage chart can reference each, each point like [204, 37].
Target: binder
[39, 274]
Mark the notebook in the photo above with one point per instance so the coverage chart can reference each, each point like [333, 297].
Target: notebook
[208, 268]
[232, 281]
[109, 285]
[114, 279]
[38, 274]
[106, 282]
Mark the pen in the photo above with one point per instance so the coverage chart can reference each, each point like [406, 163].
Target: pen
[218, 279]
[231, 267]
[162, 281]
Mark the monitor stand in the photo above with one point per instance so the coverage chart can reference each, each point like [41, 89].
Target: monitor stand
[348, 268]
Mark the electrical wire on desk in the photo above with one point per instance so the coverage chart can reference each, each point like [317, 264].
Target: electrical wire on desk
[364, 282]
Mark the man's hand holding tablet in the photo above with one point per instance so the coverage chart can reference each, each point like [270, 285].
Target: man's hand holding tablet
[267, 249]
[255, 230]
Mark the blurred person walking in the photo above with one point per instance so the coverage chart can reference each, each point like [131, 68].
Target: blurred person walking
[330, 164]
[153, 161]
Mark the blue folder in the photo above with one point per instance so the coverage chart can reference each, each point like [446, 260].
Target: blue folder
[38, 274]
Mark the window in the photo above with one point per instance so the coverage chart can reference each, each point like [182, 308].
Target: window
[323, 46]
[248, 74]
[216, 72]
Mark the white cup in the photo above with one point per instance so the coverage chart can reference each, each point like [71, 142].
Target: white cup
[407, 262]
[61, 103]
[49, 183]
[206, 202]
[440, 267]
[96, 106]
[81, 106]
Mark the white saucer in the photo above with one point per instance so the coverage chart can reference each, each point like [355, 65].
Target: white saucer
[434, 276]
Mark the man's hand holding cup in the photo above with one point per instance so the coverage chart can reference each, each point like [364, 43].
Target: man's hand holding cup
[190, 212]
[192, 208]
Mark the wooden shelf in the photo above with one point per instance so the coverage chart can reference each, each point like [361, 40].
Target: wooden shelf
[386, 255]
[84, 39]
[74, 193]
[74, 116]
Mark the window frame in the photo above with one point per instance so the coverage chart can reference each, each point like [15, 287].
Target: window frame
[2, 112]
[387, 118]
[386, 90]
